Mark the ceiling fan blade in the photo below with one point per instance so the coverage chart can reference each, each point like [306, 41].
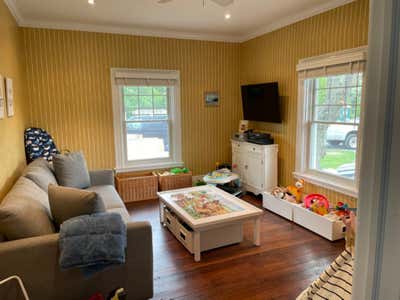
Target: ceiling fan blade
[223, 2]
[163, 1]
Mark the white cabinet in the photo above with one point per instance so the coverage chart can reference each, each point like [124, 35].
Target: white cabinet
[257, 165]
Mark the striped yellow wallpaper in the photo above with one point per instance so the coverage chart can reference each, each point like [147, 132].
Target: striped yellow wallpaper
[12, 156]
[70, 90]
[273, 57]
[70, 93]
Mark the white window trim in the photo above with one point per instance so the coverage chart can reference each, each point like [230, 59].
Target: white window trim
[175, 160]
[329, 181]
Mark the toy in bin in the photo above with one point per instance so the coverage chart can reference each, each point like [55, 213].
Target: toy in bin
[294, 192]
[342, 209]
[317, 203]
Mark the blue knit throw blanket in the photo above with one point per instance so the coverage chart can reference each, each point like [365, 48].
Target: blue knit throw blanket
[92, 242]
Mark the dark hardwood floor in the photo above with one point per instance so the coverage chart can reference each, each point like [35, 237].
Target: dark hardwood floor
[287, 261]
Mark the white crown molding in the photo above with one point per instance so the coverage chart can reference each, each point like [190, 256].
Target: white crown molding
[296, 18]
[171, 33]
[12, 6]
[131, 31]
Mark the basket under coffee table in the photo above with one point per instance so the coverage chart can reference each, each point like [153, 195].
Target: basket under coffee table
[206, 217]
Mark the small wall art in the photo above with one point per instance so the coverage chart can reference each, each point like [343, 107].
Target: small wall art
[211, 98]
[2, 100]
[10, 97]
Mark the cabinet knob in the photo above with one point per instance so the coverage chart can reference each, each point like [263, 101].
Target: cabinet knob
[246, 167]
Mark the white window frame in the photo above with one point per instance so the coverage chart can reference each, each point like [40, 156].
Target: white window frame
[304, 111]
[174, 113]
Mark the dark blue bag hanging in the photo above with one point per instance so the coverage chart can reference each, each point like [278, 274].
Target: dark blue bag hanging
[39, 143]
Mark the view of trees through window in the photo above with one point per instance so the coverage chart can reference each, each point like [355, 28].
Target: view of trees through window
[146, 122]
[336, 109]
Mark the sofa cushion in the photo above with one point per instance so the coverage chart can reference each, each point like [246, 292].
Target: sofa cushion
[71, 170]
[40, 172]
[109, 195]
[67, 203]
[122, 211]
[25, 212]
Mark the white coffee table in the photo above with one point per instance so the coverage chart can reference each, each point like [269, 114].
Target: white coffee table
[206, 217]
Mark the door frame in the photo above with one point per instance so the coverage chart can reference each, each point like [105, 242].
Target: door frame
[378, 233]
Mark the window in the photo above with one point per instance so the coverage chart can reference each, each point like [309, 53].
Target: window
[330, 110]
[146, 119]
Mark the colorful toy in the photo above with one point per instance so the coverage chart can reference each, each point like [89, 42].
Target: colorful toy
[179, 170]
[317, 203]
[295, 191]
[342, 209]
[279, 192]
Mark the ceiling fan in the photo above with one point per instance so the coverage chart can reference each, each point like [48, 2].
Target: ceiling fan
[219, 2]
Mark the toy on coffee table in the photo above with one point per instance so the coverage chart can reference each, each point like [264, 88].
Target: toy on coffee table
[294, 192]
[317, 203]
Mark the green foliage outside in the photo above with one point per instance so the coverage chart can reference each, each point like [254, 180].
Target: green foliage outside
[142, 100]
[334, 158]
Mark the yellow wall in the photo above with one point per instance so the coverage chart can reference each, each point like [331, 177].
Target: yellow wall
[68, 78]
[12, 155]
[273, 57]
[70, 91]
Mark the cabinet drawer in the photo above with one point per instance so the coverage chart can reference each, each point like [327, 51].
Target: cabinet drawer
[252, 149]
[236, 146]
[170, 221]
[185, 237]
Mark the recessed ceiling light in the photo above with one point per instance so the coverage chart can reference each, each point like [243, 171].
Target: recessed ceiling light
[227, 16]
[91, 2]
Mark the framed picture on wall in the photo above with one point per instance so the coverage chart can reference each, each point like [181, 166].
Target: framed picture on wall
[2, 100]
[212, 98]
[10, 97]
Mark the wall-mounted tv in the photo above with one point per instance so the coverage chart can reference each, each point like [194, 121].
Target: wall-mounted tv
[261, 102]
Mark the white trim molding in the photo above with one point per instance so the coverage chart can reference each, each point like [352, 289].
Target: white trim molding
[335, 183]
[378, 228]
[177, 34]
[340, 62]
[295, 18]
[174, 116]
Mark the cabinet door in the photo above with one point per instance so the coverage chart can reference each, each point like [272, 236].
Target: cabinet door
[237, 164]
[254, 170]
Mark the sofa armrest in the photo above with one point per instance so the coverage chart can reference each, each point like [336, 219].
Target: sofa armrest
[102, 177]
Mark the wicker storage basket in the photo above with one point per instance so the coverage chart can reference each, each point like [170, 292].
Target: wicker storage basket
[173, 182]
[136, 186]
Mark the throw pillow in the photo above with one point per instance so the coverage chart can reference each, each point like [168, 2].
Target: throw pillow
[25, 212]
[71, 170]
[67, 203]
[40, 172]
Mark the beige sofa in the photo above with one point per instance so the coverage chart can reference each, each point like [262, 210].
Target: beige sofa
[35, 259]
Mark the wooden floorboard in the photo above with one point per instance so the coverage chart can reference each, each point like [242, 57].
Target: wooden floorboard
[285, 263]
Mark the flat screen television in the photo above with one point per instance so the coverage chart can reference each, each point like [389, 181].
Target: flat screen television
[261, 102]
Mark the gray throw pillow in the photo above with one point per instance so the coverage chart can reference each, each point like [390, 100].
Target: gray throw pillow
[71, 170]
[40, 172]
[67, 203]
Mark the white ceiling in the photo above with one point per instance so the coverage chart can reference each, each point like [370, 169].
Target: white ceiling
[179, 18]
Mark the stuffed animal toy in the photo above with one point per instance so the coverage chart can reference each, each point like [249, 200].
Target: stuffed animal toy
[295, 191]
[279, 192]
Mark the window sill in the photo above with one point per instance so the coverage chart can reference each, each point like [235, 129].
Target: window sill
[329, 182]
[151, 166]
